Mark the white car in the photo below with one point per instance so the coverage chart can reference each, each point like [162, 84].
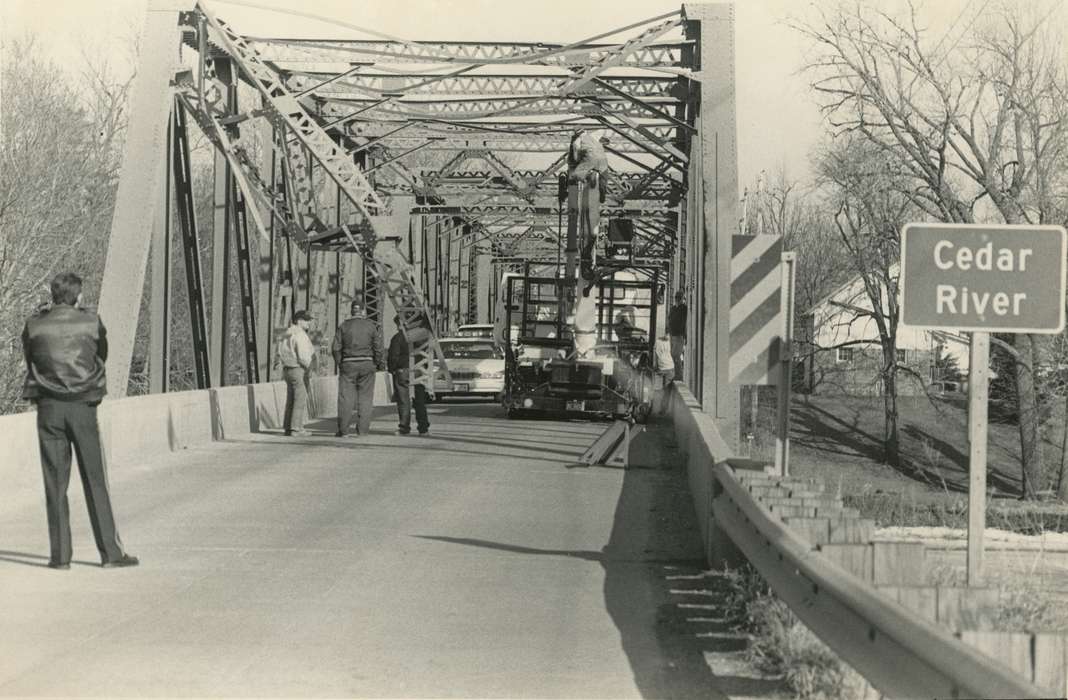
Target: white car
[476, 366]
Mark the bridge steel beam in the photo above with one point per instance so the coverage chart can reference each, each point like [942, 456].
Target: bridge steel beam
[159, 356]
[222, 221]
[137, 197]
[716, 189]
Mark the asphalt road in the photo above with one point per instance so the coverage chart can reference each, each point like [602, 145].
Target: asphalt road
[477, 562]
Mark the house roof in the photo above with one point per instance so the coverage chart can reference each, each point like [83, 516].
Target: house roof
[839, 290]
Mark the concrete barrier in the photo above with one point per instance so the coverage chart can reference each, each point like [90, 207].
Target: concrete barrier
[136, 427]
[702, 446]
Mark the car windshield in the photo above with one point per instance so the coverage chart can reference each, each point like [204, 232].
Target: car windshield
[471, 351]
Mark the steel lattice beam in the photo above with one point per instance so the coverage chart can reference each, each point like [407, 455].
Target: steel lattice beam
[326, 84]
[667, 54]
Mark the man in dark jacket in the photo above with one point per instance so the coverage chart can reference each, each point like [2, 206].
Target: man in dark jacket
[358, 353]
[65, 349]
[397, 361]
[677, 331]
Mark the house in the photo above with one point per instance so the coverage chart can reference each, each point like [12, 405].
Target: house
[838, 348]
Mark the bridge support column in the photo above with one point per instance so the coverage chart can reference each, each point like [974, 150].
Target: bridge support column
[159, 308]
[484, 283]
[712, 25]
[138, 193]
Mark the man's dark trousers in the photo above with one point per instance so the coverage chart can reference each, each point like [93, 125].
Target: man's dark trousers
[356, 389]
[59, 424]
[403, 398]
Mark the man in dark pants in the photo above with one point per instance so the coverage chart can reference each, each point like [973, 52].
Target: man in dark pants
[65, 349]
[397, 362]
[677, 330]
[358, 355]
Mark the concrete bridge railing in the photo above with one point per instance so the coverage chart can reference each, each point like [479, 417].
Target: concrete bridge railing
[137, 427]
[900, 652]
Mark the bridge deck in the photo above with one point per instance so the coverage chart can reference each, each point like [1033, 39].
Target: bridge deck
[476, 562]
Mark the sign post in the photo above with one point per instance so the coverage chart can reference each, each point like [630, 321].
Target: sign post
[978, 383]
[786, 364]
[980, 278]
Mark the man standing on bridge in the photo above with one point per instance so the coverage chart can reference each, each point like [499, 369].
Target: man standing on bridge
[358, 354]
[677, 330]
[296, 352]
[398, 363]
[65, 349]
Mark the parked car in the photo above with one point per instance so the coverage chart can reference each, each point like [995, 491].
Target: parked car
[476, 366]
[946, 387]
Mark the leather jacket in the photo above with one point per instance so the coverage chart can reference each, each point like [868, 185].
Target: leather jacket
[358, 338]
[65, 350]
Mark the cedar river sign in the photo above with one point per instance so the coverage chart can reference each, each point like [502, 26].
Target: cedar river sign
[977, 277]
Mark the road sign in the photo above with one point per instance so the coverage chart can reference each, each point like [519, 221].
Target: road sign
[978, 277]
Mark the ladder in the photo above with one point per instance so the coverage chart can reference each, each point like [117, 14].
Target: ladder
[305, 135]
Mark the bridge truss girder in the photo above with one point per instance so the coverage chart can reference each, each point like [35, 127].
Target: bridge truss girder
[466, 140]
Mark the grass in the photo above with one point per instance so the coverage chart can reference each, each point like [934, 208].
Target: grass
[838, 440]
[781, 645]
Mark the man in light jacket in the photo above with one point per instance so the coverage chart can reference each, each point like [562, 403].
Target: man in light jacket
[295, 352]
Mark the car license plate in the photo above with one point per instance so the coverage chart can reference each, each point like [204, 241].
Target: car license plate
[576, 405]
[460, 387]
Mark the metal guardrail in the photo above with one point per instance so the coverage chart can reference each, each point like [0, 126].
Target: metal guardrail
[901, 654]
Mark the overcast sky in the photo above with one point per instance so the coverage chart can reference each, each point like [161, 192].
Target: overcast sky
[778, 124]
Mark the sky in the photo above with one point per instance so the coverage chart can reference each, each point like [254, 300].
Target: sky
[777, 118]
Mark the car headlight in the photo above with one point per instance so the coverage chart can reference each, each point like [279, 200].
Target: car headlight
[491, 375]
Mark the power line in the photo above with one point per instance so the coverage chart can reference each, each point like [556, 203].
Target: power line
[951, 26]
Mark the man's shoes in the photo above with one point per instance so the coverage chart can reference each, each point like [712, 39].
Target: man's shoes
[348, 435]
[124, 560]
[402, 432]
[424, 433]
[59, 565]
[300, 433]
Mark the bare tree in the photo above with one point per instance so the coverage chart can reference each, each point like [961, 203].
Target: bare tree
[57, 181]
[864, 190]
[796, 212]
[978, 130]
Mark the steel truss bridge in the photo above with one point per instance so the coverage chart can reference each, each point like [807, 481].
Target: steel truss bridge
[418, 171]
[414, 171]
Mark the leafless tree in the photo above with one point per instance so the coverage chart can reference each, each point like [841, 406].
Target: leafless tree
[870, 210]
[798, 213]
[57, 183]
[976, 124]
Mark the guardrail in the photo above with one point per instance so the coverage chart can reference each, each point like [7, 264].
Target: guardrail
[900, 653]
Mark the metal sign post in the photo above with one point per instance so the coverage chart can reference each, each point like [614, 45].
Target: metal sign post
[978, 383]
[980, 278]
[786, 365]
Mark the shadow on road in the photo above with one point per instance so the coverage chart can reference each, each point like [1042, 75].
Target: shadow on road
[35, 559]
[665, 605]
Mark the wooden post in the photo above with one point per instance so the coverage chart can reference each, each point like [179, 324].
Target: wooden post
[978, 378]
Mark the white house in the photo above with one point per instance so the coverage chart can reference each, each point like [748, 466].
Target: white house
[842, 354]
